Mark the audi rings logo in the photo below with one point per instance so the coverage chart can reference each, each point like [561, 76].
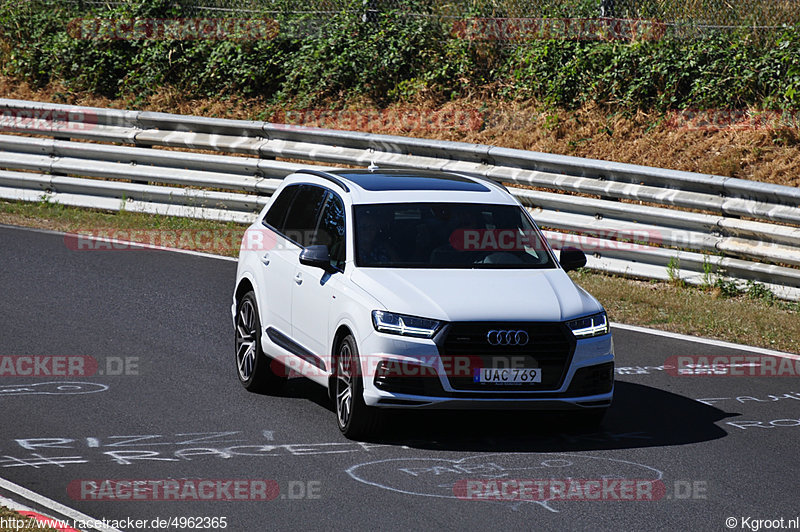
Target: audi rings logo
[495, 337]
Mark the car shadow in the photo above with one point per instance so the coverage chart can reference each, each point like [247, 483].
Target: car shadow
[302, 388]
[641, 416]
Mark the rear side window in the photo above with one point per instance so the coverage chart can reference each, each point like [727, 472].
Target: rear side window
[301, 220]
[276, 215]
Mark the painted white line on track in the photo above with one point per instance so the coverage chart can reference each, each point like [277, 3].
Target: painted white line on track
[50, 504]
[706, 341]
[121, 242]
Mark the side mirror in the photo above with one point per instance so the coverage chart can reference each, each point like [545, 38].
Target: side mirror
[572, 259]
[317, 256]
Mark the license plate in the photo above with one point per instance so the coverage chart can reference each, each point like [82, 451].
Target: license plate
[508, 375]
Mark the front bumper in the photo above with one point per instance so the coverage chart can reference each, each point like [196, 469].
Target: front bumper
[587, 383]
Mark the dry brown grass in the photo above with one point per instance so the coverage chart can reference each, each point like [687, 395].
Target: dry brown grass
[10, 516]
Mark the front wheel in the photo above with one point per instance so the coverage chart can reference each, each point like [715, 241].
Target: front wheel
[256, 370]
[355, 419]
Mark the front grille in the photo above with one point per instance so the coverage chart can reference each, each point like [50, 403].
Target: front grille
[550, 347]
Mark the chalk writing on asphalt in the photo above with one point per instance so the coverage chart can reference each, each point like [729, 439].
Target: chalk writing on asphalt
[787, 397]
[52, 388]
[137, 448]
[128, 449]
[437, 477]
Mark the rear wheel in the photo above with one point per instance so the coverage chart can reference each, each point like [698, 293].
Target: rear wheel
[355, 419]
[256, 371]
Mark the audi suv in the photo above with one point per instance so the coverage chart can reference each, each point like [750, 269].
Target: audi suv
[416, 290]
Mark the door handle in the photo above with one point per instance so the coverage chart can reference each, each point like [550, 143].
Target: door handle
[265, 259]
[298, 278]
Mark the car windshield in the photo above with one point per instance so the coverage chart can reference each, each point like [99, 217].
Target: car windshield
[447, 235]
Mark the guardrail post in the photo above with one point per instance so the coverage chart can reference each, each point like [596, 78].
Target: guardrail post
[59, 137]
[607, 8]
[371, 11]
[141, 145]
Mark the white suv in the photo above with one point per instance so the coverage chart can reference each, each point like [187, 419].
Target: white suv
[409, 289]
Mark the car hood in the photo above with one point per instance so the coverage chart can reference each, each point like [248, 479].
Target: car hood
[477, 295]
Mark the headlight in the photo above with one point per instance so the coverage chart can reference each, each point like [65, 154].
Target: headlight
[590, 326]
[387, 322]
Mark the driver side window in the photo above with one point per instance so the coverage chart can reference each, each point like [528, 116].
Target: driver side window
[331, 229]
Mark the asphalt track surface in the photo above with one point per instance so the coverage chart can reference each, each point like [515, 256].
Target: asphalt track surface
[721, 447]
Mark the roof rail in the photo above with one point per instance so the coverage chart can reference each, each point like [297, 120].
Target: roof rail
[480, 178]
[325, 175]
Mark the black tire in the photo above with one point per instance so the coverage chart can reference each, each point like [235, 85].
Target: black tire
[256, 371]
[355, 419]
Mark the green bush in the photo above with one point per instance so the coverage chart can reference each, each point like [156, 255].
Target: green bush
[397, 55]
[722, 70]
[349, 55]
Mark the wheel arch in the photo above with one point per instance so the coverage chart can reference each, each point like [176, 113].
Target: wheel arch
[341, 331]
[245, 285]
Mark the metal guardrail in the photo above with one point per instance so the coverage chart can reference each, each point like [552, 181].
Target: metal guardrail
[631, 220]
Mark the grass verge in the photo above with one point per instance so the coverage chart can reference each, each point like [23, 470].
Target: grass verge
[8, 516]
[752, 318]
